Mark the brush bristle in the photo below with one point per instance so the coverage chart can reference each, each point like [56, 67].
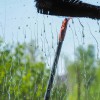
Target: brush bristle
[45, 6]
[72, 8]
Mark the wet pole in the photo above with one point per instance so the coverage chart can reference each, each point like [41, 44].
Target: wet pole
[53, 71]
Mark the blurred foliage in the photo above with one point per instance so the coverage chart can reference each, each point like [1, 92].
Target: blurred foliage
[82, 78]
[24, 75]
[83, 75]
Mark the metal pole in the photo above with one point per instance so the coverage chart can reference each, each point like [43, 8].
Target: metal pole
[58, 50]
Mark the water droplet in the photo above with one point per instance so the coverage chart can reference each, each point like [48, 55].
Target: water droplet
[26, 25]
[28, 17]
[19, 27]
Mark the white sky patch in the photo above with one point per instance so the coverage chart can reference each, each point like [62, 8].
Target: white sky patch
[19, 22]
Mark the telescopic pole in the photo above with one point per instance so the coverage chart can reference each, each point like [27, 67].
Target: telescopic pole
[58, 50]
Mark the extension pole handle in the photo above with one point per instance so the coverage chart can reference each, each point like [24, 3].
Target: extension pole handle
[58, 50]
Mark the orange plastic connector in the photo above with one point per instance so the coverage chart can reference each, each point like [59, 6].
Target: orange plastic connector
[63, 29]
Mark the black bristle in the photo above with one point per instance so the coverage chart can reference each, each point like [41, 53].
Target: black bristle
[77, 1]
[72, 8]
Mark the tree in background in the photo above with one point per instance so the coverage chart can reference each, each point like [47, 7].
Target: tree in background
[95, 87]
[22, 76]
[59, 91]
[81, 74]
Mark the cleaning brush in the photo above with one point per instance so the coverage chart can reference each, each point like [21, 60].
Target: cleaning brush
[69, 8]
